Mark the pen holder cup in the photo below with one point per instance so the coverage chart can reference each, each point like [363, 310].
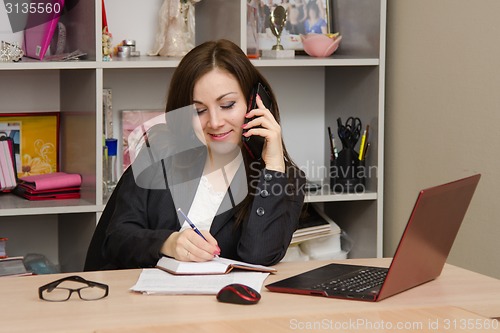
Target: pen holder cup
[347, 173]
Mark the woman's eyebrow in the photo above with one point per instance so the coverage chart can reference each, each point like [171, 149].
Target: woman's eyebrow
[218, 98]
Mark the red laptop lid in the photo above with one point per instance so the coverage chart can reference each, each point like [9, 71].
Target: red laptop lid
[429, 235]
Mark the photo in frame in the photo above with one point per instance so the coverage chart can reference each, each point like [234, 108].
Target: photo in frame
[134, 121]
[303, 17]
[36, 141]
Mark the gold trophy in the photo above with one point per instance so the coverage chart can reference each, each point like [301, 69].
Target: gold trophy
[277, 21]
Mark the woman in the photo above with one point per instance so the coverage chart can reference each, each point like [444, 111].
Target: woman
[293, 25]
[315, 23]
[217, 78]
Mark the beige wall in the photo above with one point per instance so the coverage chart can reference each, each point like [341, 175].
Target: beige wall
[443, 117]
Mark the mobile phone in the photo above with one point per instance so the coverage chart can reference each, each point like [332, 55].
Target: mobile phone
[255, 143]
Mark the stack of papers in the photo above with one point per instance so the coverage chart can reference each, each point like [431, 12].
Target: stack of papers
[154, 281]
[13, 266]
[201, 278]
[313, 225]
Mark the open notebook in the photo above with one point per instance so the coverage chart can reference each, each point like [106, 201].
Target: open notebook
[215, 266]
[173, 277]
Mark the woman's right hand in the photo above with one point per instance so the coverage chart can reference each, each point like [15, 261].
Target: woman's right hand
[187, 245]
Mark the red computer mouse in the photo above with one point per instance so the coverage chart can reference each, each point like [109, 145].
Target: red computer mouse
[237, 293]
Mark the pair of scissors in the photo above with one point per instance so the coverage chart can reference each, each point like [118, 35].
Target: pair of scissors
[349, 132]
[353, 124]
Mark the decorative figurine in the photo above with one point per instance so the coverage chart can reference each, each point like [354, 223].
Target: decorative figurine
[107, 45]
[175, 36]
[10, 52]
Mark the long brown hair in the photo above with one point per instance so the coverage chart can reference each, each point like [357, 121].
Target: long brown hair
[225, 55]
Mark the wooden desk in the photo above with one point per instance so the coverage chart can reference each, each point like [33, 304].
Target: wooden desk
[457, 295]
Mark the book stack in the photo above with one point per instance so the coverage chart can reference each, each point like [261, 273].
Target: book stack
[57, 185]
[13, 266]
[3, 246]
[314, 224]
[318, 237]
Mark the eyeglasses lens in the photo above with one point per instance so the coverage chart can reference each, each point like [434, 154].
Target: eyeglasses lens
[56, 294]
[92, 293]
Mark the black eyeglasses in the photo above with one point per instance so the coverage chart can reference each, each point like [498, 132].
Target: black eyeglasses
[58, 291]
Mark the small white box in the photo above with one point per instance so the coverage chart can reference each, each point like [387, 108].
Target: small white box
[294, 253]
[278, 54]
[321, 247]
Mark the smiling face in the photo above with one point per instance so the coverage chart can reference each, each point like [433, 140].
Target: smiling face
[221, 107]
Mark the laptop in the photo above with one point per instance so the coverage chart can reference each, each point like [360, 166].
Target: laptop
[419, 258]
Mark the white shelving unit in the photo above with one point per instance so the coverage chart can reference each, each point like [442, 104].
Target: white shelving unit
[311, 92]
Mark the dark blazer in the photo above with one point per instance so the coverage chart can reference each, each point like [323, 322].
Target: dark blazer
[141, 219]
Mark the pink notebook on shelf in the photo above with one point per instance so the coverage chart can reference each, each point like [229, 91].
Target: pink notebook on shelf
[51, 181]
[8, 179]
[65, 193]
[41, 27]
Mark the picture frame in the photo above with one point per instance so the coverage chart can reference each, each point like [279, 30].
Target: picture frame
[36, 141]
[300, 14]
[134, 122]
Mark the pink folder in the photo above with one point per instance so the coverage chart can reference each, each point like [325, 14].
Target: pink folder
[51, 181]
[37, 37]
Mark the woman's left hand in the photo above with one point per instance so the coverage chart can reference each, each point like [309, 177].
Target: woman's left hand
[270, 130]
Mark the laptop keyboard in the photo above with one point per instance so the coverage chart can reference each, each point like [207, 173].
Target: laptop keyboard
[360, 281]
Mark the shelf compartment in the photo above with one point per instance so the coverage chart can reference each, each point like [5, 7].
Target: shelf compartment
[62, 238]
[361, 221]
[72, 93]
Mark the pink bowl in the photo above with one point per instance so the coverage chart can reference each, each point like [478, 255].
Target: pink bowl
[319, 45]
